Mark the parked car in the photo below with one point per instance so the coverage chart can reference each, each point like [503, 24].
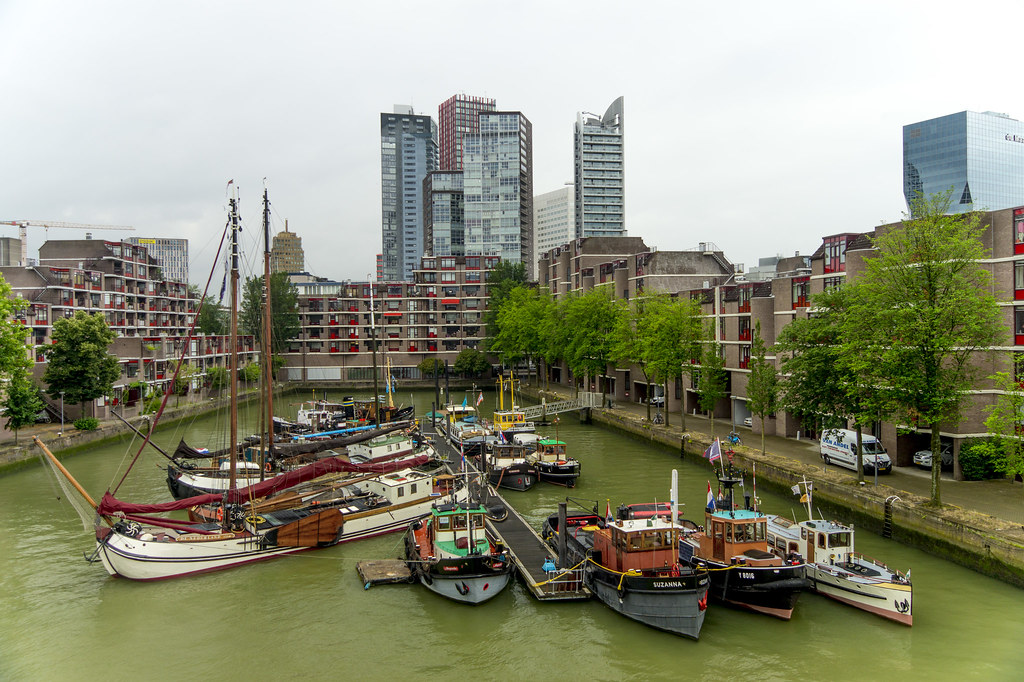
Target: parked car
[748, 422]
[658, 400]
[923, 458]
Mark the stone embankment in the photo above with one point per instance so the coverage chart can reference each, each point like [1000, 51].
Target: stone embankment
[988, 544]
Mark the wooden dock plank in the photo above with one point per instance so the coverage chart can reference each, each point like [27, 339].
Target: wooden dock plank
[383, 572]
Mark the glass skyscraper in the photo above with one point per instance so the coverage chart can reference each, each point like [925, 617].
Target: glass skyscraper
[498, 180]
[600, 181]
[979, 156]
[408, 151]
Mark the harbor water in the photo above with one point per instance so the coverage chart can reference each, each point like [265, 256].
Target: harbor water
[308, 616]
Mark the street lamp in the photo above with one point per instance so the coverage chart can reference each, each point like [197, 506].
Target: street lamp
[61, 414]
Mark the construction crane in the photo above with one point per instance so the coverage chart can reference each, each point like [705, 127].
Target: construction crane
[22, 232]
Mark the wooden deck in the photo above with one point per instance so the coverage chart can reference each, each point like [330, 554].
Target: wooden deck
[383, 572]
[525, 545]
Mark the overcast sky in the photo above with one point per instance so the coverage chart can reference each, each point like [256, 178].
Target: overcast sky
[760, 127]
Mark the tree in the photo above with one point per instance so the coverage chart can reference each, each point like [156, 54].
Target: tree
[763, 384]
[675, 336]
[183, 382]
[431, 367]
[824, 383]
[501, 280]
[13, 356]
[517, 335]
[712, 381]
[78, 364]
[284, 310]
[589, 321]
[471, 362]
[212, 318]
[629, 336]
[216, 376]
[924, 307]
[21, 402]
[1005, 420]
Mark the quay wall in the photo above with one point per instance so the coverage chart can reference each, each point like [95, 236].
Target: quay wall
[984, 543]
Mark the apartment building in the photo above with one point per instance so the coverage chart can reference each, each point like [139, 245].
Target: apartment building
[438, 314]
[117, 279]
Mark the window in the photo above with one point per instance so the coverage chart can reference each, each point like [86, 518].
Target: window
[832, 283]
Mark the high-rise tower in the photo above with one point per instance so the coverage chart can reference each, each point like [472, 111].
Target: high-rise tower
[498, 186]
[408, 151]
[979, 156]
[600, 184]
[457, 118]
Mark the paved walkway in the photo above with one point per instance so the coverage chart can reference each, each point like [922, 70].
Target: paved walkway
[1002, 499]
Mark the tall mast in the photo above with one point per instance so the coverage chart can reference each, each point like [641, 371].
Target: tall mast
[268, 364]
[373, 340]
[233, 371]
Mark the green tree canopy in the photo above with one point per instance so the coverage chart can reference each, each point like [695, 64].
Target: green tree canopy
[589, 321]
[501, 280]
[471, 362]
[21, 402]
[284, 310]
[78, 364]
[212, 317]
[712, 382]
[763, 383]
[922, 309]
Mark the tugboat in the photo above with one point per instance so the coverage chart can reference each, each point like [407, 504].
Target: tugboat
[453, 554]
[734, 547]
[507, 467]
[836, 571]
[632, 566]
[552, 464]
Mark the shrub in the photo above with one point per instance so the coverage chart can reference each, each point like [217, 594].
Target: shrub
[87, 424]
[979, 458]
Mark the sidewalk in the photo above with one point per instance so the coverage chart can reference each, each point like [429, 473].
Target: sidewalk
[1002, 499]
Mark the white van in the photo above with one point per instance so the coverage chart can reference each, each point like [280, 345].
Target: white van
[839, 446]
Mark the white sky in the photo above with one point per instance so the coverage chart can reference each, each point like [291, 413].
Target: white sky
[758, 126]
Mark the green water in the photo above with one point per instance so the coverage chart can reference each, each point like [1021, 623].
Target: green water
[308, 617]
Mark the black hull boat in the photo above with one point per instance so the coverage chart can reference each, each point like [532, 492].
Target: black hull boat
[733, 546]
[632, 567]
[553, 464]
[517, 476]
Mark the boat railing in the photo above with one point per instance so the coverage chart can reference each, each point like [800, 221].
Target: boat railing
[568, 580]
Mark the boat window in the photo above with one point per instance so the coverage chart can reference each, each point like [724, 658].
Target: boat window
[821, 540]
[794, 548]
[656, 539]
[412, 489]
[728, 533]
[460, 522]
[761, 529]
[401, 491]
[839, 540]
[718, 529]
[803, 533]
[444, 523]
[478, 520]
[635, 540]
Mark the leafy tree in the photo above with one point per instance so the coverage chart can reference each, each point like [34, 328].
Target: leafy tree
[471, 362]
[589, 321]
[763, 384]
[520, 325]
[629, 336]
[13, 356]
[820, 382]
[78, 364]
[501, 280]
[21, 402]
[250, 373]
[217, 376]
[213, 318]
[551, 333]
[284, 310]
[186, 374]
[1005, 419]
[924, 307]
[675, 336]
[430, 367]
[712, 381]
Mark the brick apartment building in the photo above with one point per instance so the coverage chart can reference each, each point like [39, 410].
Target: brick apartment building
[150, 316]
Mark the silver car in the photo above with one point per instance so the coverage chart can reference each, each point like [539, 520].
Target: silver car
[923, 458]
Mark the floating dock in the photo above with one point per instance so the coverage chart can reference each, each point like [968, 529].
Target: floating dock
[527, 548]
[383, 572]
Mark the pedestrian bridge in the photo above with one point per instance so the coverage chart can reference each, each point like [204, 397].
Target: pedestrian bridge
[583, 401]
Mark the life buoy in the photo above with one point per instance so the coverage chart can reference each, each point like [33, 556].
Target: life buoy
[268, 467]
[220, 514]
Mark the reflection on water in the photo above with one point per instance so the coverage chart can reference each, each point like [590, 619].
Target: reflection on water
[308, 616]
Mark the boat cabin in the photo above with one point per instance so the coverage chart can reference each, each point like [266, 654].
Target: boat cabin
[549, 450]
[511, 420]
[386, 447]
[459, 529]
[819, 541]
[737, 537]
[636, 544]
